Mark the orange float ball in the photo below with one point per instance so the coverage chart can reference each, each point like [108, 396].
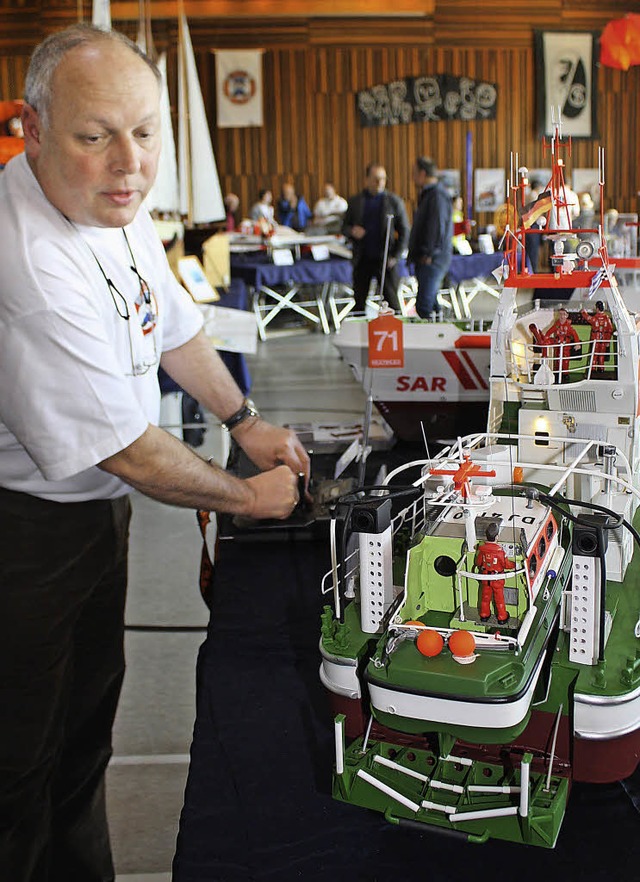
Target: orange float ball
[429, 642]
[462, 643]
[416, 623]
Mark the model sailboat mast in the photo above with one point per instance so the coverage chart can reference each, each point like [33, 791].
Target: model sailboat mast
[200, 194]
[145, 36]
[100, 14]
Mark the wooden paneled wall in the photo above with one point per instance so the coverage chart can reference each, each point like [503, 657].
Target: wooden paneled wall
[312, 134]
[314, 67]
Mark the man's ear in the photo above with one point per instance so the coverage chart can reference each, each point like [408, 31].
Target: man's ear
[32, 127]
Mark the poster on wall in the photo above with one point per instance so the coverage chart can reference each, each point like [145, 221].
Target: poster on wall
[426, 99]
[239, 88]
[566, 82]
[489, 187]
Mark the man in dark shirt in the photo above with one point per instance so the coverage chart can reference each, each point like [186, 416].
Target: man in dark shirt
[430, 243]
[365, 224]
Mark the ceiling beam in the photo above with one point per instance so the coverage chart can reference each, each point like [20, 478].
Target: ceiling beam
[128, 10]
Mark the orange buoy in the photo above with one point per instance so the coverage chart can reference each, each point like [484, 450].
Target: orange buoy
[462, 643]
[429, 642]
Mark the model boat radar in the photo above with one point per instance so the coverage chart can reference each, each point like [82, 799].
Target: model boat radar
[482, 647]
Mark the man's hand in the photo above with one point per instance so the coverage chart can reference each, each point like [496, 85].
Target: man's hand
[268, 446]
[358, 232]
[275, 493]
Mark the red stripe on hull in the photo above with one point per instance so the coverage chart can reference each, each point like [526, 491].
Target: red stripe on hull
[476, 373]
[463, 375]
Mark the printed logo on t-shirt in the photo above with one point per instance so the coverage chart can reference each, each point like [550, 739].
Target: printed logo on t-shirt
[146, 308]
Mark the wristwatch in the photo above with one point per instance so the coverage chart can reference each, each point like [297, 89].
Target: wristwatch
[247, 410]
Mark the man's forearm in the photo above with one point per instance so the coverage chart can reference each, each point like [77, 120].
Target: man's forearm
[199, 370]
[160, 466]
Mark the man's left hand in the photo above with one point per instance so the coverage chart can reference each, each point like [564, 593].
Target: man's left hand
[269, 446]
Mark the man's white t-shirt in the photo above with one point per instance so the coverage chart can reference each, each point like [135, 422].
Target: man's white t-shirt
[78, 356]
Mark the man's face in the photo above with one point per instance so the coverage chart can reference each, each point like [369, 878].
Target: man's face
[97, 158]
[419, 177]
[329, 191]
[376, 179]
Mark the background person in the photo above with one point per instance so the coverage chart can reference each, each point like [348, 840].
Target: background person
[263, 208]
[89, 307]
[329, 210]
[231, 204]
[431, 239]
[365, 224]
[292, 210]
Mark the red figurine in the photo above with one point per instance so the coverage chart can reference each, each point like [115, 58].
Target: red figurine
[601, 333]
[490, 560]
[564, 335]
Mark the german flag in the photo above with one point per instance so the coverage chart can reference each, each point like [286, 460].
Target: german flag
[534, 210]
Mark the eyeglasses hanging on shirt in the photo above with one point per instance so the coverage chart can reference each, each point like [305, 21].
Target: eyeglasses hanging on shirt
[142, 358]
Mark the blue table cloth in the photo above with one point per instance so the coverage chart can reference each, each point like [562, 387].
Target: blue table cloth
[259, 271]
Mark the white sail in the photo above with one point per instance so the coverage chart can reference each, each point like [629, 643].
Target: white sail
[101, 14]
[200, 194]
[144, 40]
[164, 195]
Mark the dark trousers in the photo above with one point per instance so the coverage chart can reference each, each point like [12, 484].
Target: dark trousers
[430, 277]
[63, 570]
[364, 270]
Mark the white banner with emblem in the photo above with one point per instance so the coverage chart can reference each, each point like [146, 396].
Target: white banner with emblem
[239, 88]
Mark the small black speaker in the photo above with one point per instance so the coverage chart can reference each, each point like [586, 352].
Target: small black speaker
[372, 516]
[590, 539]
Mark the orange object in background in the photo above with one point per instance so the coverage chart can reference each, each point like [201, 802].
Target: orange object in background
[10, 144]
[620, 42]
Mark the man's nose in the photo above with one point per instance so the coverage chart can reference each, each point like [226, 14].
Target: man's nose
[126, 155]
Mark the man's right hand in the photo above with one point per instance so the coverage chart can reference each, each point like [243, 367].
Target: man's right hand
[358, 232]
[275, 493]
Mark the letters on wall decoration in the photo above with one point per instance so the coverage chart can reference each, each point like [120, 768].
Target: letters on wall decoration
[426, 99]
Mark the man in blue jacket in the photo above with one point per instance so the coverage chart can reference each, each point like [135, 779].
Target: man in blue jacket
[365, 224]
[430, 243]
[292, 210]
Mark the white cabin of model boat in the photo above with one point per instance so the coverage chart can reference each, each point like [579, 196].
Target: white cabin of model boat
[588, 420]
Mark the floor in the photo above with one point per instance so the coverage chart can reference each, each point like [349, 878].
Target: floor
[297, 377]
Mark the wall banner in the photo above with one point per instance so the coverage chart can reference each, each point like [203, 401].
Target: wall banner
[239, 88]
[566, 72]
[426, 99]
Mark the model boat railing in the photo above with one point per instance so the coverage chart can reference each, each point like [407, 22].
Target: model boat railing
[416, 515]
[566, 362]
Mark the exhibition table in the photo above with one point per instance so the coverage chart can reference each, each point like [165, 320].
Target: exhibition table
[314, 288]
[257, 804]
[305, 285]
